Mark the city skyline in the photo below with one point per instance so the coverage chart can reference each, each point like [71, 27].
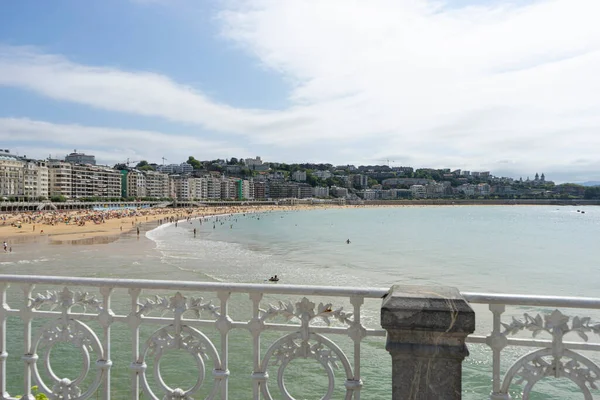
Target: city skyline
[475, 85]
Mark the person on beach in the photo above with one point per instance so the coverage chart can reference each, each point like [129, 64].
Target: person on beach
[5, 246]
[194, 232]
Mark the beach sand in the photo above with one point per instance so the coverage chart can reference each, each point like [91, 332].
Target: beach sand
[83, 225]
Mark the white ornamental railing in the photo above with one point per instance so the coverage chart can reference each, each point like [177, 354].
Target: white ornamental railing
[67, 312]
[555, 358]
[177, 322]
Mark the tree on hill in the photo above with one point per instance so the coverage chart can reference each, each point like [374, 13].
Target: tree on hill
[194, 163]
[144, 166]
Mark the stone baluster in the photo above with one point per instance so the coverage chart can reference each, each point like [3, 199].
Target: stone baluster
[426, 332]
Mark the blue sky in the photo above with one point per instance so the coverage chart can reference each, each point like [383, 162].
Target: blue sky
[482, 85]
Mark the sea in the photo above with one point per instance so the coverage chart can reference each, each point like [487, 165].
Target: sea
[533, 250]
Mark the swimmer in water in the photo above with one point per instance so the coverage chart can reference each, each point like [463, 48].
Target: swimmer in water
[348, 241]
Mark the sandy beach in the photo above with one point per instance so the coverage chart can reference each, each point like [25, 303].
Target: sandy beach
[80, 225]
[69, 226]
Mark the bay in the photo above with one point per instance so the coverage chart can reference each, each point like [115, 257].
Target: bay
[541, 250]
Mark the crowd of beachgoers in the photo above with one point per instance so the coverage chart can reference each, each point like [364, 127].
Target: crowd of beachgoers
[68, 224]
[77, 218]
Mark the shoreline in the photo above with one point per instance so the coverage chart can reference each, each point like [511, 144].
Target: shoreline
[89, 227]
[33, 227]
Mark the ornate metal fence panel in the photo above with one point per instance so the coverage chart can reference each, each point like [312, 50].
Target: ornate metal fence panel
[558, 357]
[179, 318]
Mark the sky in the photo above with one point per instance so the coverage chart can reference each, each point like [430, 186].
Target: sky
[511, 87]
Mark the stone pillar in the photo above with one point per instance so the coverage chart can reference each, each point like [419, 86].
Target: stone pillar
[426, 331]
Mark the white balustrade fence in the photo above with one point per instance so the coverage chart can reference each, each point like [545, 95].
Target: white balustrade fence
[181, 315]
[555, 358]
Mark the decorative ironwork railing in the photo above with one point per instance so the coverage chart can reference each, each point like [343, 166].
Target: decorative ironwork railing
[180, 321]
[181, 318]
[556, 357]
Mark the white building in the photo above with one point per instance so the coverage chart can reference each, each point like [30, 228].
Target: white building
[299, 176]
[213, 187]
[369, 194]
[12, 175]
[339, 191]
[135, 184]
[95, 181]
[323, 174]
[247, 190]
[253, 161]
[157, 184]
[60, 177]
[467, 189]
[80, 158]
[418, 191]
[229, 188]
[36, 177]
[319, 191]
[198, 188]
[181, 187]
[434, 190]
[183, 168]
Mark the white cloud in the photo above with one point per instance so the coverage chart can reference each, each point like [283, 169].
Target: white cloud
[489, 86]
[462, 87]
[141, 93]
[110, 145]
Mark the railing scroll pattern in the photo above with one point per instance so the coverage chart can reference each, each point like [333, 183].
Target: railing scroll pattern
[552, 358]
[180, 320]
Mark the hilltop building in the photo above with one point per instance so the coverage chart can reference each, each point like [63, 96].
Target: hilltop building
[80, 158]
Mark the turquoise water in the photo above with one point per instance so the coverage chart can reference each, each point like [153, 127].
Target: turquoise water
[527, 250]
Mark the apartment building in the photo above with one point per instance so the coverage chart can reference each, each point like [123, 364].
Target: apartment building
[95, 181]
[261, 190]
[245, 190]
[36, 176]
[213, 187]
[299, 176]
[133, 184]
[12, 175]
[338, 191]
[229, 189]
[199, 188]
[157, 184]
[418, 191]
[80, 158]
[360, 181]
[321, 191]
[60, 178]
[305, 191]
[183, 168]
[181, 187]
[323, 174]
[435, 190]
